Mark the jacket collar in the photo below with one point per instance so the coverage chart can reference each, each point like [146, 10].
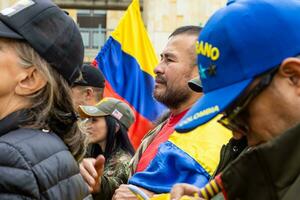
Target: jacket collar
[11, 122]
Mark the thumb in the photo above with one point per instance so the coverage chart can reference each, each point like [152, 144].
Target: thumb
[177, 192]
[99, 165]
[180, 190]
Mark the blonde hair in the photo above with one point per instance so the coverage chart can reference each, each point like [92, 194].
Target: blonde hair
[51, 107]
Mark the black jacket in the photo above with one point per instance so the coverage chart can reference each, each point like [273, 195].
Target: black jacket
[268, 172]
[36, 164]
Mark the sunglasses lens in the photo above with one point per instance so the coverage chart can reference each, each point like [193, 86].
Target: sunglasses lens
[233, 125]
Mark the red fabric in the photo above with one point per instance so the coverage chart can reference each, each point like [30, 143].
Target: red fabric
[141, 125]
[94, 63]
[220, 183]
[161, 137]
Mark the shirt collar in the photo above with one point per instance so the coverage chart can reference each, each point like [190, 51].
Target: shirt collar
[174, 119]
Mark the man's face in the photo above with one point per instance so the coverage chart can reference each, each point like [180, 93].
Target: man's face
[78, 96]
[275, 109]
[175, 69]
[86, 95]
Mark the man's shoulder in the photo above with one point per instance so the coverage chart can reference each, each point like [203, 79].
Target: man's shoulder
[120, 156]
[155, 130]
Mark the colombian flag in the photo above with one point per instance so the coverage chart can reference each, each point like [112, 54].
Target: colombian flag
[127, 61]
[188, 157]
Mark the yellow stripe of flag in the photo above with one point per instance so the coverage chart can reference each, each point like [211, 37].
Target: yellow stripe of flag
[203, 143]
[131, 34]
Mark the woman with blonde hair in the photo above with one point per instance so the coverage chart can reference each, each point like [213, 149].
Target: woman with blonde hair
[41, 52]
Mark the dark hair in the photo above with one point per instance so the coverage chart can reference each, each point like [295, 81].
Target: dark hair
[190, 30]
[116, 140]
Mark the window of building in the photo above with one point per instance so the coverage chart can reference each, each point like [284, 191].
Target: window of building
[92, 24]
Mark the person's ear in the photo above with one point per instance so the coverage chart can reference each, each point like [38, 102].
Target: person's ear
[29, 82]
[290, 68]
[89, 93]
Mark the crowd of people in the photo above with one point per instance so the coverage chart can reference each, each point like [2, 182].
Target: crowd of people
[231, 89]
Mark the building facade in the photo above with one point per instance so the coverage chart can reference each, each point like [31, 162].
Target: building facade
[97, 18]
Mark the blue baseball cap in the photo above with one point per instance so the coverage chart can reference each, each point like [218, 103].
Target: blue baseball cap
[240, 42]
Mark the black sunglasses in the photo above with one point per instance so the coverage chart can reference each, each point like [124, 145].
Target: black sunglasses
[231, 119]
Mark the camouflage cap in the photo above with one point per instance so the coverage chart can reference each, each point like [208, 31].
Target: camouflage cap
[110, 106]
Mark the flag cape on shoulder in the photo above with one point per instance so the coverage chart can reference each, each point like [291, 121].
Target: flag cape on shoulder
[127, 61]
[188, 157]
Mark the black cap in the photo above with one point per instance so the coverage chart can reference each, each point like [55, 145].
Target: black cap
[48, 30]
[195, 84]
[91, 76]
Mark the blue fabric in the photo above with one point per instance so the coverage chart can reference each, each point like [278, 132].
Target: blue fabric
[196, 115]
[239, 42]
[133, 84]
[171, 165]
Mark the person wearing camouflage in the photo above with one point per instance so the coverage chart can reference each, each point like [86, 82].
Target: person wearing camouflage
[107, 125]
[116, 172]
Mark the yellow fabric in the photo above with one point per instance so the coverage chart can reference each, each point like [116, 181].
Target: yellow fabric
[210, 190]
[214, 185]
[203, 143]
[161, 197]
[133, 37]
[167, 197]
[203, 192]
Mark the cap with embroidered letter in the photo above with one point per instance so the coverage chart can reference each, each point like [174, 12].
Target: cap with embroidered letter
[241, 41]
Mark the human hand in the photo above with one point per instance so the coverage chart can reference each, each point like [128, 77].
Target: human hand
[123, 193]
[180, 190]
[91, 170]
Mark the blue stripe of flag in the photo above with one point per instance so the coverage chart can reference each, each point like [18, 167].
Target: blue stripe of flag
[171, 165]
[124, 74]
